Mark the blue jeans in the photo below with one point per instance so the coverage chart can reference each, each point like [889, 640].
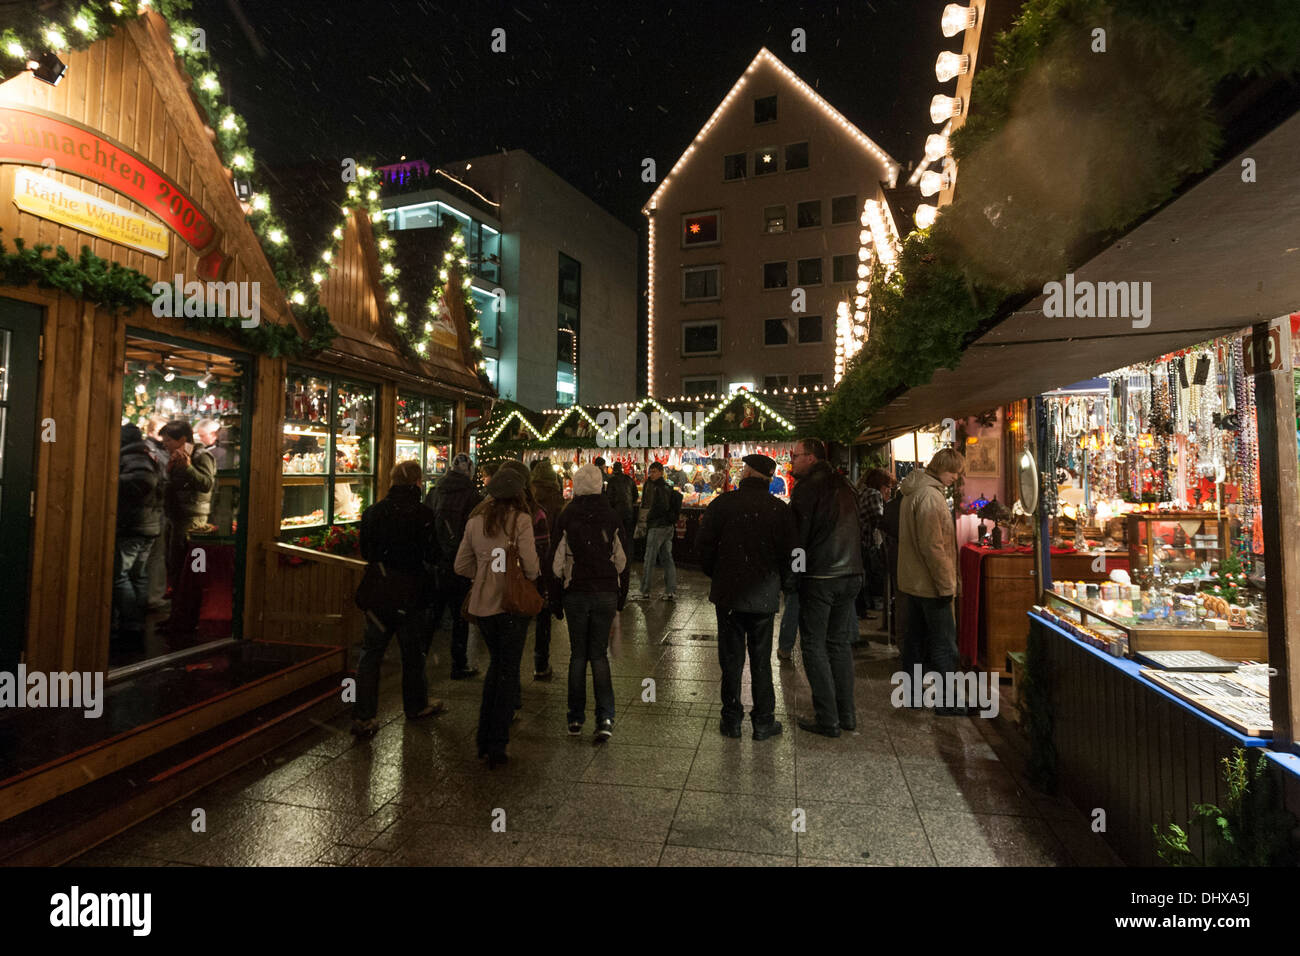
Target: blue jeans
[659, 547]
[825, 610]
[410, 640]
[739, 631]
[131, 581]
[590, 615]
[504, 635]
[931, 639]
[789, 623]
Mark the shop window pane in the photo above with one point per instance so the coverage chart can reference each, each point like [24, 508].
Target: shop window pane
[354, 429]
[810, 328]
[796, 156]
[303, 504]
[351, 497]
[764, 109]
[766, 161]
[815, 379]
[775, 381]
[437, 460]
[844, 268]
[733, 166]
[700, 386]
[410, 415]
[810, 214]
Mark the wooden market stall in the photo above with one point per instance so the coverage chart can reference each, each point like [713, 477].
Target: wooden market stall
[700, 441]
[178, 299]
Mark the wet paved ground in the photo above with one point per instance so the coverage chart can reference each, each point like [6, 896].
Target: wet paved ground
[908, 789]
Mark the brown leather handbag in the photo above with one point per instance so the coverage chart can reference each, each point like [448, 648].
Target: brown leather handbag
[521, 595]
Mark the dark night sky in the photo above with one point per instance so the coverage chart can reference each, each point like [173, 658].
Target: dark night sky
[588, 88]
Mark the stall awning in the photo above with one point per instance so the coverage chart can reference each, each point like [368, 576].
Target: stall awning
[1223, 256]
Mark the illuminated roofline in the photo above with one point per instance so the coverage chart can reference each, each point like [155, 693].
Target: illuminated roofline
[891, 165]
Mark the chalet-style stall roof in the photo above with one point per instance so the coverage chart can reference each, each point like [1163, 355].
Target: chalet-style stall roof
[378, 286]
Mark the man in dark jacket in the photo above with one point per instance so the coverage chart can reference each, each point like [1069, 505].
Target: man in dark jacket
[829, 563]
[745, 542]
[191, 478]
[397, 536]
[451, 500]
[620, 492]
[664, 504]
[139, 522]
[591, 570]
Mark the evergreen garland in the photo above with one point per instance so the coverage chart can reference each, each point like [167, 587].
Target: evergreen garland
[1065, 149]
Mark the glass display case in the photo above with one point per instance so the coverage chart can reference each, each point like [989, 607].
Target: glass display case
[424, 433]
[1178, 540]
[1126, 619]
[327, 451]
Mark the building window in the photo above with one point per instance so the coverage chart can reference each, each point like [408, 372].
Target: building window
[814, 379]
[796, 156]
[775, 332]
[771, 382]
[774, 219]
[844, 209]
[844, 268]
[567, 325]
[701, 338]
[809, 271]
[765, 109]
[699, 386]
[766, 161]
[700, 283]
[809, 214]
[701, 228]
[776, 275]
[485, 306]
[810, 329]
[734, 165]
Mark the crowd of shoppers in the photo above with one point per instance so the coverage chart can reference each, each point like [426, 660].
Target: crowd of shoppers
[479, 557]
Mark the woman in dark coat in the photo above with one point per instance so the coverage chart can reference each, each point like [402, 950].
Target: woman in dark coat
[397, 533]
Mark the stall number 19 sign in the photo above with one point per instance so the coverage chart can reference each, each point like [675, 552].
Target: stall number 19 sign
[1264, 353]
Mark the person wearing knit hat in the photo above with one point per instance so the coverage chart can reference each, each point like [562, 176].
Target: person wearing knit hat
[545, 488]
[498, 522]
[452, 500]
[591, 573]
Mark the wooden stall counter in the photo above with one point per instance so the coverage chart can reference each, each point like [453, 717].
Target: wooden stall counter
[1000, 587]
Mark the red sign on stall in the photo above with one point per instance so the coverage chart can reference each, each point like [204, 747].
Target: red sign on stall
[34, 137]
[1263, 354]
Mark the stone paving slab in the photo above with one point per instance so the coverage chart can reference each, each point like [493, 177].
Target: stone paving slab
[905, 789]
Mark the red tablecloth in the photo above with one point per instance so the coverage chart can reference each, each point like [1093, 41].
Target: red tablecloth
[972, 563]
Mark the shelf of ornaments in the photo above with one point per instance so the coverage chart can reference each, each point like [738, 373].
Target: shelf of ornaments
[304, 427]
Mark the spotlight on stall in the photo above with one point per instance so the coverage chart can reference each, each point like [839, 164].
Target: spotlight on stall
[48, 68]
